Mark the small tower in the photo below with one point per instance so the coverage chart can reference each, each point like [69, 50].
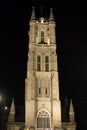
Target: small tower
[11, 117]
[51, 15]
[71, 113]
[72, 124]
[33, 14]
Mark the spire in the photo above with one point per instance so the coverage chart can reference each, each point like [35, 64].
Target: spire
[33, 14]
[71, 112]
[51, 15]
[11, 117]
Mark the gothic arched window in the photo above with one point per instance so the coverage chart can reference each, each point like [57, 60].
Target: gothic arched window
[42, 37]
[46, 63]
[38, 63]
[43, 119]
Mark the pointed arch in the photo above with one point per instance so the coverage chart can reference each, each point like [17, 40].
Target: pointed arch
[42, 36]
[43, 119]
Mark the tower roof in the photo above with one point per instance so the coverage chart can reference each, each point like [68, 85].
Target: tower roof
[71, 112]
[71, 107]
[51, 15]
[11, 116]
[12, 108]
[33, 17]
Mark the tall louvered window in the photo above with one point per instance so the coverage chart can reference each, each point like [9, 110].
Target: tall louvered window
[38, 63]
[46, 63]
[42, 37]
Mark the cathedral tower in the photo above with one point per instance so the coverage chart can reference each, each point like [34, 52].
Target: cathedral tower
[42, 103]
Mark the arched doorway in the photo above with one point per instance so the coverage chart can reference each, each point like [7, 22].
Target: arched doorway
[43, 119]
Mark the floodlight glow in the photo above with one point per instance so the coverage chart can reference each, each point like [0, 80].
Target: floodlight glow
[6, 108]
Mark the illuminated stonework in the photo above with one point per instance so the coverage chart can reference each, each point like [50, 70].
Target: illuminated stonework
[42, 83]
[42, 103]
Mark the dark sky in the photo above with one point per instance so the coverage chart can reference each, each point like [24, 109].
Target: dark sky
[71, 28]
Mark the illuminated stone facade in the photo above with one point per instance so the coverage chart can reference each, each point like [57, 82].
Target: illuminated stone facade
[42, 83]
[42, 103]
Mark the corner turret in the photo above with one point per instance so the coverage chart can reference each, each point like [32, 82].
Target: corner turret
[71, 113]
[33, 17]
[11, 117]
[51, 18]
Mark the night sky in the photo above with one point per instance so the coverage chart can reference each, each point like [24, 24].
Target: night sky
[71, 29]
